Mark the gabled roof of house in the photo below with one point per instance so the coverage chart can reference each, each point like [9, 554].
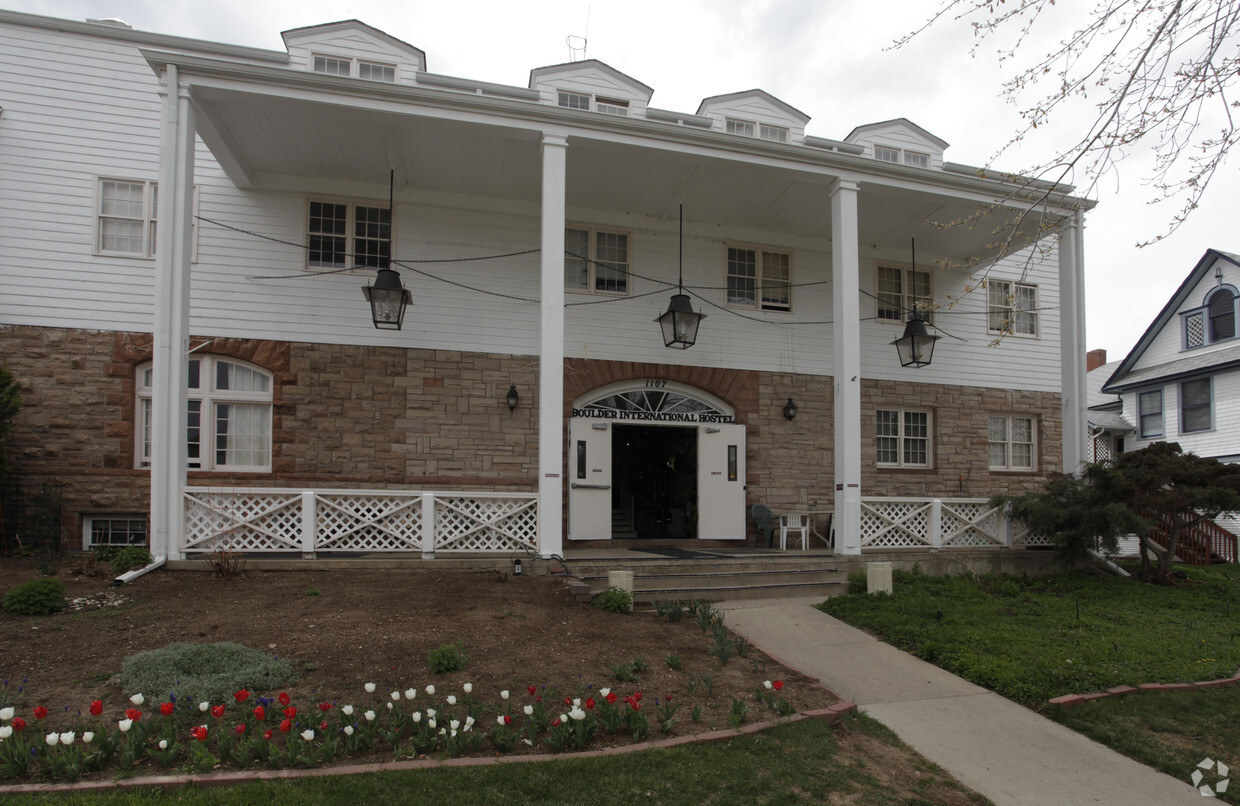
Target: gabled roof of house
[1094, 381]
[786, 108]
[1197, 363]
[341, 25]
[624, 78]
[1123, 377]
[1108, 421]
[939, 141]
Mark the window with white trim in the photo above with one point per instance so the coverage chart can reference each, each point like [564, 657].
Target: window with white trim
[1150, 413]
[126, 224]
[1196, 406]
[1012, 441]
[344, 234]
[374, 71]
[113, 530]
[228, 415]
[333, 65]
[901, 291]
[762, 131]
[596, 260]
[1214, 321]
[759, 278]
[583, 100]
[903, 156]
[902, 437]
[1012, 308]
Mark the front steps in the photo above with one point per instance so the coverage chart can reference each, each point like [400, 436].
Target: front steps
[752, 576]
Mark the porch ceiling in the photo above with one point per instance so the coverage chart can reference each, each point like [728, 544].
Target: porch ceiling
[275, 142]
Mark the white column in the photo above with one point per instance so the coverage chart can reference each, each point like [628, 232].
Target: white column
[171, 326]
[846, 334]
[551, 359]
[1073, 395]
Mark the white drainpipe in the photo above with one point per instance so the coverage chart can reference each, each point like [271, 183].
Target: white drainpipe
[130, 576]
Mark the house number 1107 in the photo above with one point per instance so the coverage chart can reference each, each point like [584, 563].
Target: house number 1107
[655, 384]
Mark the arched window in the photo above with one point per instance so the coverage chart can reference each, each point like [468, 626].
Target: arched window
[228, 417]
[1222, 307]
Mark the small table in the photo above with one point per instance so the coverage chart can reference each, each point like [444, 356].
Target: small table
[811, 516]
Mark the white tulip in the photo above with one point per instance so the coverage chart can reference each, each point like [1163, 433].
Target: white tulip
[347, 710]
[451, 699]
[454, 724]
[430, 691]
[204, 707]
[500, 720]
[88, 737]
[430, 712]
[603, 692]
[124, 725]
[370, 716]
[370, 688]
[577, 714]
[767, 683]
[6, 713]
[307, 735]
[6, 731]
[67, 738]
[348, 730]
[411, 693]
[52, 739]
[469, 687]
[163, 744]
[389, 706]
[432, 724]
[503, 695]
[395, 696]
[417, 717]
[137, 699]
[529, 710]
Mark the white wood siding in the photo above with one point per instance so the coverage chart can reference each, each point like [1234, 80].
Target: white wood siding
[590, 80]
[755, 109]
[898, 135]
[354, 44]
[1168, 345]
[1222, 440]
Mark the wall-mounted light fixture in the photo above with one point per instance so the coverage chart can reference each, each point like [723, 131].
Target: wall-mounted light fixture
[512, 398]
[790, 410]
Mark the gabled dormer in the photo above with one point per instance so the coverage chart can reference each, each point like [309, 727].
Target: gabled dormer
[757, 114]
[353, 49]
[592, 86]
[900, 141]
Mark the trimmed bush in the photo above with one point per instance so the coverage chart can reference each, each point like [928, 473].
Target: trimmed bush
[614, 600]
[38, 598]
[199, 672]
[447, 658]
[129, 558]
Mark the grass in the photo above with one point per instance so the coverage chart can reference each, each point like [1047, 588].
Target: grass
[800, 763]
[1034, 639]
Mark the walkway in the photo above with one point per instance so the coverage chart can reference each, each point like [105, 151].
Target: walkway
[1002, 750]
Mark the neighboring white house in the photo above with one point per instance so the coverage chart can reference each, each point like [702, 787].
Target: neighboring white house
[1109, 430]
[186, 228]
[1181, 382]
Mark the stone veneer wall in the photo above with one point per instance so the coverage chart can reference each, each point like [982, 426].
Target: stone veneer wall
[351, 416]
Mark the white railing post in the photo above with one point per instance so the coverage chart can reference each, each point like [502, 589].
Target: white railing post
[934, 524]
[1005, 526]
[309, 525]
[428, 526]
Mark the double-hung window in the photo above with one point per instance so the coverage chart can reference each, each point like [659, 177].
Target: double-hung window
[900, 292]
[126, 224]
[333, 65]
[902, 438]
[596, 260]
[228, 416]
[1195, 406]
[762, 131]
[1012, 441]
[1012, 308]
[901, 155]
[1150, 413]
[346, 234]
[583, 100]
[759, 278]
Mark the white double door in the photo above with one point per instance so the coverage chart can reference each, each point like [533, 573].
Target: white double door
[720, 479]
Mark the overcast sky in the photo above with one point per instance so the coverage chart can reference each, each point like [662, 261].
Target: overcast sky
[829, 58]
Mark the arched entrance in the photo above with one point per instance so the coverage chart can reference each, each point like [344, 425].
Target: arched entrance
[655, 459]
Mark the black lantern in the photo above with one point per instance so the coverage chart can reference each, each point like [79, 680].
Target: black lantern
[388, 300]
[512, 397]
[916, 346]
[680, 323]
[790, 410]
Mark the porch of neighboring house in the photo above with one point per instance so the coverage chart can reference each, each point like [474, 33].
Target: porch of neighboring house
[403, 530]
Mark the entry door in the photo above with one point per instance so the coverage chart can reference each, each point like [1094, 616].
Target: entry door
[589, 479]
[721, 482]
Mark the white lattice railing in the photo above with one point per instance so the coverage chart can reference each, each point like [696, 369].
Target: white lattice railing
[309, 522]
[891, 523]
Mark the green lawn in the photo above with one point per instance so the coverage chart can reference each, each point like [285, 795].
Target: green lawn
[807, 762]
[1034, 639]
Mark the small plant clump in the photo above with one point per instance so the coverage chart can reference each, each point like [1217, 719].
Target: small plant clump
[446, 658]
[203, 671]
[129, 558]
[39, 597]
[614, 600]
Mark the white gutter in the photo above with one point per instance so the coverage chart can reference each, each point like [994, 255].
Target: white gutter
[130, 576]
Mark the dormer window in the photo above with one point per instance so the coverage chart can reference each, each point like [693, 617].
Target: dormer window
[333, 66]
[1213, 321]
[611, 106]
[902, 156]
[372, 71]
[746, 128]
[341, 66]
[581, 100]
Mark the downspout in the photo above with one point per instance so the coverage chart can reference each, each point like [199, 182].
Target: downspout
[130, 576]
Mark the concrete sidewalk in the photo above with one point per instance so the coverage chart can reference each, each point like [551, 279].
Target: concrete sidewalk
[1002, 750]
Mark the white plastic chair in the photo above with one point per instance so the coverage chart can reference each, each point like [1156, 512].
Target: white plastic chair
[793, 522]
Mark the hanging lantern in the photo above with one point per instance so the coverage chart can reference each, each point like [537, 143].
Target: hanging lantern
[916, 346]
[388, 300]
[680, 323]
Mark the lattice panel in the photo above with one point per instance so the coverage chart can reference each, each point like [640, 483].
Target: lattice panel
[971, 524]
[368, 523]
[252, 522]
[1102, 449]
[1022, 537]
[485, 524]
[895, 524]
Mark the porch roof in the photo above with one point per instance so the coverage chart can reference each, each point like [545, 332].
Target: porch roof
[275, 128]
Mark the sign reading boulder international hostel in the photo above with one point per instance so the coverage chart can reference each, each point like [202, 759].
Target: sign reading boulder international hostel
[653, 403]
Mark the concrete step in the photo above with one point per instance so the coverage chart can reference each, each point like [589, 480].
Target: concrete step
[767, 576]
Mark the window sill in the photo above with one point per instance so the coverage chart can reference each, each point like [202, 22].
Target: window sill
[905, 470]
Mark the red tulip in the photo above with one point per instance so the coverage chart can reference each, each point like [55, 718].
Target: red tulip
[568, 700]
[555, 723]
[240, 729]
[40, 712]
[19, 723]
[637, 695]
[96, 707]
[286, 726]
[530, 689]
[241, 696]
[260, 713]
[267, 734]
[325, 706]
[507, 720]
[589, 703]
[167, 708]
[284, 698]
[133, 713]
[291, 711]
[217, 711]
[323, 726]
[777, 685]
[200, 733]
[611, 696]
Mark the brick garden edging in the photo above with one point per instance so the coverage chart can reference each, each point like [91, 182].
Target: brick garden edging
[234, 777]
[1073, 700]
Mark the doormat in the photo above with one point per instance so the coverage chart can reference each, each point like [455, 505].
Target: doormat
[679, 554]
